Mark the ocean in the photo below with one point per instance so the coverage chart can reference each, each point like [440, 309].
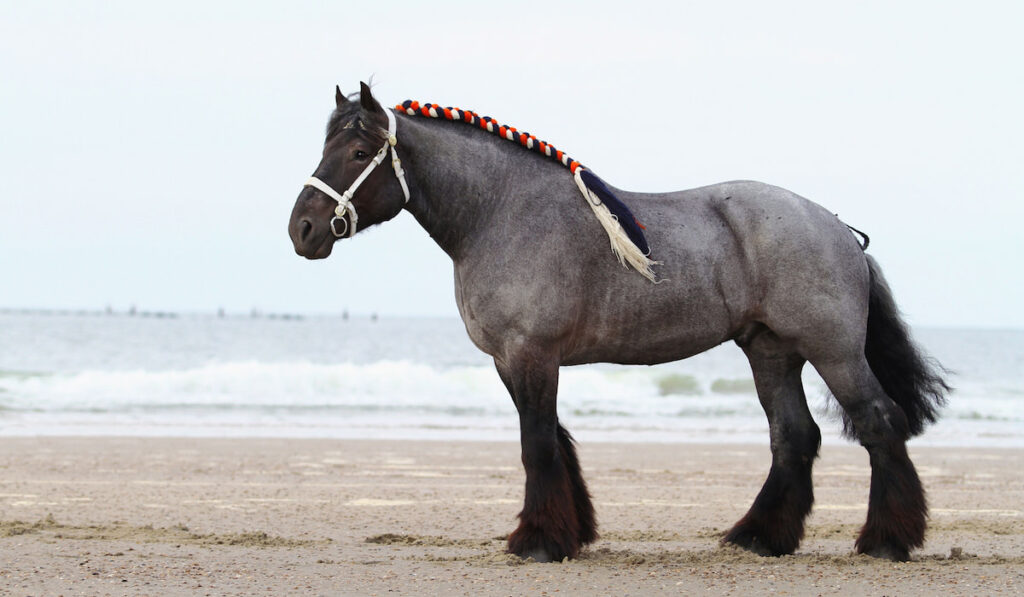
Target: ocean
[164, 374]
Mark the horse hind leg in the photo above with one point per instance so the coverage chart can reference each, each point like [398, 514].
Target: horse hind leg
[897, 508]
[774, 525]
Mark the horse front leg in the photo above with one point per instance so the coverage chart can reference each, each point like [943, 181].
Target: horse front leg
[557, 516]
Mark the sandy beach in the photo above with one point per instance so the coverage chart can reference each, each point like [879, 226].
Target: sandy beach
[127, 516]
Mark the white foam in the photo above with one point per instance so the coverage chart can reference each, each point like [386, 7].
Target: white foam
[412, 378]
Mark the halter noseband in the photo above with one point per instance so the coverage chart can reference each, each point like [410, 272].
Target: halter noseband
[345, 199]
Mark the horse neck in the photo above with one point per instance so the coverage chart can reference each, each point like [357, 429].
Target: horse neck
[460, 178]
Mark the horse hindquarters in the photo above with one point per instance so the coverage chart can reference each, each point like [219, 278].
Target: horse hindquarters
[558, 515]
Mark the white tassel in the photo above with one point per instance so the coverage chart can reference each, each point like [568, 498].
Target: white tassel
[622, 246]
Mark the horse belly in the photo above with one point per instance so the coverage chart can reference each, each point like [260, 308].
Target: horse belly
[648, 332]
[645, 353]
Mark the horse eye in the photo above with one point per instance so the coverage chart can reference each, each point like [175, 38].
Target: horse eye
[361, 155]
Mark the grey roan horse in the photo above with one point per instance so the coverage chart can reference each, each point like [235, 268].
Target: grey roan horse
[537, 288]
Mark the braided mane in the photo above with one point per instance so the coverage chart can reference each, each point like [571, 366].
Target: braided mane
[413, 108]
[625, 232]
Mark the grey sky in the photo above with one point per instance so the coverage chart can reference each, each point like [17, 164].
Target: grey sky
[150, 154]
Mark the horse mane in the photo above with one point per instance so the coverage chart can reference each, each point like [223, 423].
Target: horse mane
[510, 133]
[593, 188]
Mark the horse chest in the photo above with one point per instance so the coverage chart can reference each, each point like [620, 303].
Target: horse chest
[475, 322]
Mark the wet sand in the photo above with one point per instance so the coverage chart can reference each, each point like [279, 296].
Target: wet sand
[125, 516]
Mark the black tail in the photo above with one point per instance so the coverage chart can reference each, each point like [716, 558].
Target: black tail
[911, 379]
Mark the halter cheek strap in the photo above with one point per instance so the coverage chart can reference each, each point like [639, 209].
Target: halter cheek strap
[345, 199]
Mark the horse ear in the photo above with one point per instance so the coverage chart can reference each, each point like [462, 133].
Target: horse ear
[339, 97]
[366, 99]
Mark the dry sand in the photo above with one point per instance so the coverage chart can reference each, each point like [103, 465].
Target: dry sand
[124, 516]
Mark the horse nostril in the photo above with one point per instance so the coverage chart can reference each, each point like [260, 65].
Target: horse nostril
[306, 227]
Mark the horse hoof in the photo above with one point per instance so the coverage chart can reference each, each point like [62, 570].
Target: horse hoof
[887, 551]
[753, 546]
[750, 537]
[537, 555]
[760, 549]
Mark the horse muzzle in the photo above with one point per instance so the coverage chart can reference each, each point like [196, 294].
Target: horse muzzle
[310, 240]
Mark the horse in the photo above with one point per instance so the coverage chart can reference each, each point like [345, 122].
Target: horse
[778, 275]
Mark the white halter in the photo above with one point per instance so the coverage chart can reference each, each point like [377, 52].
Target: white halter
[345, 199]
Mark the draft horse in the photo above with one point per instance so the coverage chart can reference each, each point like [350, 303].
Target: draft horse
[536, 286]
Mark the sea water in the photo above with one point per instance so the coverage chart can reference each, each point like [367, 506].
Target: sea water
[337, 377]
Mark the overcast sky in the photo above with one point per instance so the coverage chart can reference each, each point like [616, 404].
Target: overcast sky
[150, 153]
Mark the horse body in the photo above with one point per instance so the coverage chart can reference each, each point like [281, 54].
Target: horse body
[733, 255]
[529, 257]
[537, 288]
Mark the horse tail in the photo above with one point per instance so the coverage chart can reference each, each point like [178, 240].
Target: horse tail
[911, 379]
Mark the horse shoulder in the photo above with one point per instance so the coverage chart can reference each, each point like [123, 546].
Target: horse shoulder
[502, 299]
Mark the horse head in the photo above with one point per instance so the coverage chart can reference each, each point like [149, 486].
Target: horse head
[359, 135]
